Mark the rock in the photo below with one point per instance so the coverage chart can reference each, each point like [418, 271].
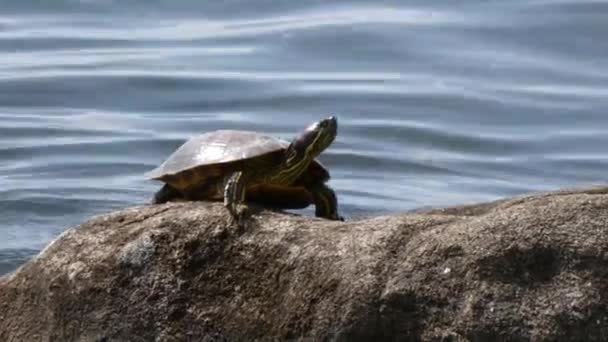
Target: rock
[530, 268]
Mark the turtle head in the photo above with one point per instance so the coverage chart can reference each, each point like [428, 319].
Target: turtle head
[312, 141]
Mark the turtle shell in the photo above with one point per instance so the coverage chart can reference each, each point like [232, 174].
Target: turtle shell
[209, 157]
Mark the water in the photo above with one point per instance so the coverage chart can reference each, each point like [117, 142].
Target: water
[438, 104]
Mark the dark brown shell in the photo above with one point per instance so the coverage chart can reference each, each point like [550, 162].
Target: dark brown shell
[211, 155]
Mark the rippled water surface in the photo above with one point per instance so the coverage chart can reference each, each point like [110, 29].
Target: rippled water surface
[438, 103]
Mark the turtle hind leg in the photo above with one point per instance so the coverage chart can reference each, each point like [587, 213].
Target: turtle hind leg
[326, 202]
[166, 194]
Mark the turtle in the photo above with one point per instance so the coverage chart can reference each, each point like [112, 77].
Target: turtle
[239, 166]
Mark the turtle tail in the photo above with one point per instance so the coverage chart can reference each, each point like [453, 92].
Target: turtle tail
[166, 194]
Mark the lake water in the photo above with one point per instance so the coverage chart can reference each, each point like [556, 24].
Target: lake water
[439, 103]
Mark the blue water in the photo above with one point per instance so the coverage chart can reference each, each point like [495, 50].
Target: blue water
[439, 103]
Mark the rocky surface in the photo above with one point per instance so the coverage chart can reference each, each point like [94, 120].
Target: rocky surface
[530, 268]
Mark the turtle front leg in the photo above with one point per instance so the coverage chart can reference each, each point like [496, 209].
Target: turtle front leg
[234, 193]
[326, 202]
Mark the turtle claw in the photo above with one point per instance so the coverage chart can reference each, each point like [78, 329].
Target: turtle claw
[242, 218]
[337, 218]
[238, 214]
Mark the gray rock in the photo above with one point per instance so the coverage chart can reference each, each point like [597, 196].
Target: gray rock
[530, 268]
